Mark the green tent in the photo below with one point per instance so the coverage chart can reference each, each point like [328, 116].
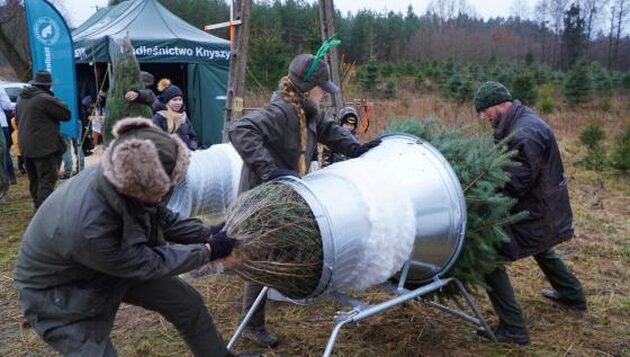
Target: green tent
[165, 46]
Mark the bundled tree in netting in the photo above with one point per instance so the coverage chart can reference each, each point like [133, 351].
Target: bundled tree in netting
[126, 78]
[279, 240]
[480, 165]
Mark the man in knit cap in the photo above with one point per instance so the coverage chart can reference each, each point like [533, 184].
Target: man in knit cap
[101, 239]
[540, 187]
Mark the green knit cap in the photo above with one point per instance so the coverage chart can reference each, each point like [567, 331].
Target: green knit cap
[491, 93]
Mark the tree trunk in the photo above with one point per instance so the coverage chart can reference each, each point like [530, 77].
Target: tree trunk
[20, 65]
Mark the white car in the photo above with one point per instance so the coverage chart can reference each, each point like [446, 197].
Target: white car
[13, 89]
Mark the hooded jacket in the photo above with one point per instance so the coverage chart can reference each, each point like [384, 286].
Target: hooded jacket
[269, 139]
[39, 114]
[538, 184]
[87, 243]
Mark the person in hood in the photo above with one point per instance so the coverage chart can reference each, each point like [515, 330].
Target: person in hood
[279, 140]
[39, 114]
[173, 118]
[540, 187]
[102, 239]
[349, 120]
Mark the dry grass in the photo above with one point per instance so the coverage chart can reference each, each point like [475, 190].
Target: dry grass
[599, 256]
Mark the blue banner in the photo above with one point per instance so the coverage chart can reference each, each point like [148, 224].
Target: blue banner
[52, 50]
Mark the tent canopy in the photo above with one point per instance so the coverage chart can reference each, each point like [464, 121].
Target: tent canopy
[157, 35]
[162, 39]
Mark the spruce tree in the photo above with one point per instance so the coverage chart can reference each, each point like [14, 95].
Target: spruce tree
[480, 165]
[370, 76]
[126, 78]
[577, 84]
[524, 88]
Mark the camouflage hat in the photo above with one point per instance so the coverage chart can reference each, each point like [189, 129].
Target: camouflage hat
[297, 71]
[491, 93]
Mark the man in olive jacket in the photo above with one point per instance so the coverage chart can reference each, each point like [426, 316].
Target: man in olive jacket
[39, 114]
[540, 188]
[100, 240]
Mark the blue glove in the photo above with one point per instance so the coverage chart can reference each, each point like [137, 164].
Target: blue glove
[366, 147]
[282, 172]
[220, 245]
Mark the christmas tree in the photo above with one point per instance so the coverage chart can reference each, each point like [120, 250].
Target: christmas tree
[126, 78]
[480, 165]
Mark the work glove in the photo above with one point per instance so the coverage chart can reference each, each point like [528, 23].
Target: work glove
[366, 147]
[220, 245]
[282, 172]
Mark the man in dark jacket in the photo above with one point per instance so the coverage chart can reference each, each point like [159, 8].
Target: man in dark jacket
[279, 140]
[39, 113]
[100, 240]
[539, 186]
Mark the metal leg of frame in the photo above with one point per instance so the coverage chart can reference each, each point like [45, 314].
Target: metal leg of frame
[474, 308]
[362, 311]
[247, 317]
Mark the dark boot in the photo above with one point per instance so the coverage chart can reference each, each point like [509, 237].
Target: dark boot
[505, 336]
[555, 296]
[261, 337]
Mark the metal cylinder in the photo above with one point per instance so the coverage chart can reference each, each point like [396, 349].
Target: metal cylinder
[417, 176]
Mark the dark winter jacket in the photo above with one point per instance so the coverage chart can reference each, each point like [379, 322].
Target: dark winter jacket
[87, 243]
[269, 139]
[538, 184]
[185, 130]
[38, 114]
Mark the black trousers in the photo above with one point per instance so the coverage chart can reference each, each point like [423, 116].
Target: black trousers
[171, 297]
[257, 322]
[42, 176]
[502, 297]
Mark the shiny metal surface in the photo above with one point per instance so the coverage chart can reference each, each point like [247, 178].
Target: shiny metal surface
[427, 181]
[437, 197]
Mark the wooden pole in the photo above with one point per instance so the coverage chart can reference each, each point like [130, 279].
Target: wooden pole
[327, 22]
[241, 12]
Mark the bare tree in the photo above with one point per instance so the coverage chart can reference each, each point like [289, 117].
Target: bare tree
[520, 9]
[13, 37]
[618, 18]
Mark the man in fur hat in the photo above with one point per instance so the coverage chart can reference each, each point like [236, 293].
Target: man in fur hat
[100, 240]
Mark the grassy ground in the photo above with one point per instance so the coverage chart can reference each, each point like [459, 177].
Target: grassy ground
[599, 255]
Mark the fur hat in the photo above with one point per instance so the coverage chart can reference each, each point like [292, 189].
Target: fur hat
[490, 94]
[163, 84]
[143, 161]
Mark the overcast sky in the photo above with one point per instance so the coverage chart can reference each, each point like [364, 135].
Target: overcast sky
[80, 10]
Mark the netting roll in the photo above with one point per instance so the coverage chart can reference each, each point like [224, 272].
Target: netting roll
[211, 184]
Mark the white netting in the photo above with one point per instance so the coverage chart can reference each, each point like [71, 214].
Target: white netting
[211, 184]
[392, 226]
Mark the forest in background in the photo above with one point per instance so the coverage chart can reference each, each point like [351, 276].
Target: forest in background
[580, 47]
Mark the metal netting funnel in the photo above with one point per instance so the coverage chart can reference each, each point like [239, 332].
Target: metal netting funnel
[418, 177]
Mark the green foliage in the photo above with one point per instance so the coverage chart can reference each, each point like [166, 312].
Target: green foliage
[591, 137]
[578, 84]
[458, 88]
[574, 34]
[529, 58]
[480, 165]
[605, 103]
[546, 103]
[620, 157]
[126, 78]
[390, 89]
[524, 88]
[369, 76]
[271, 60]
